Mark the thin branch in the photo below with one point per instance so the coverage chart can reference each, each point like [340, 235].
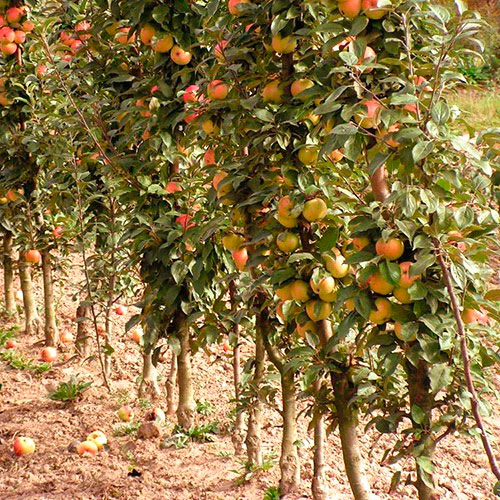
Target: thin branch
[465, 358]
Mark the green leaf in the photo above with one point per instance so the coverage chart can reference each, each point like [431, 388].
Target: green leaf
[423, 262]
[440, 113]
[343, 129]
[417, 414]
[363, 305]
[299, 256]
[493, 295]
[440, 376]
[328, 240]
[418, 291]
[422, 150]
[409, 330]
[179, 271]
[390, 271]
[327, 107]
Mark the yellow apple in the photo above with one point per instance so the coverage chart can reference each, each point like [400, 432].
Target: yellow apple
[315, 210]
[378, 284]
[284, 45]
[300, 291]
[318, 310]
[382, 312]
[287, 242]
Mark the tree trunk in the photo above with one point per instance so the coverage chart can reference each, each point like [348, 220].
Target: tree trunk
[8, 275]
[238, 436]
[51, 331]
[421, 396]
[187, 405]
[253, 438]
[170, 385]
[108, 328]
[149, 384]
[82, 342]
[351, 449]
[289, 460]
[318, 486]
[31, 318]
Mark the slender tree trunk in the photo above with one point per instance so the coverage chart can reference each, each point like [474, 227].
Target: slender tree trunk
[238, 436]
[51, 331]
[253, 438]
[8, 275]
[108, 325]
[187, 405]
[31, 319]
[149, 383]
[82, 342]
[170, 385]
[351, 448]
[318, 486]
[421, 396]
[289, 460]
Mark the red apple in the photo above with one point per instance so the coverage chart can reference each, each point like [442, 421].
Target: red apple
[219, 49]
[23, 446]
[173, 187]
[209, 157]
[120, 310]
[217, 90]
[191, 94]
[125, 413]
[14, 15]
[58, 231]
[32, 256]
[83, 26]
[11, 344]
[240, 257]
[66, 337]
[233, 6]
[183, 220]
[87, 448]
[180, 56]
[49, 354]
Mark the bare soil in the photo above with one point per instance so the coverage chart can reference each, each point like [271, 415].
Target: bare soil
[130, 468]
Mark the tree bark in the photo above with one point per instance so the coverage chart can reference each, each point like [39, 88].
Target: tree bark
[170, 385]
[289, 460]
[8, 275]
[51, 330]
[82, 342]
[31, 318]
[238, 436]
[421, 396]
[253, 438]
[379, 185]
[318, 485]
[351, 449]
[187, 405]
[149, 384]
[108, 328]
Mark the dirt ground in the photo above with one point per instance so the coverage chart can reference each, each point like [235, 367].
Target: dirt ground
[139, 469]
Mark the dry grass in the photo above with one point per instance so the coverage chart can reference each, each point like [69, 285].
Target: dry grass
[481, 107]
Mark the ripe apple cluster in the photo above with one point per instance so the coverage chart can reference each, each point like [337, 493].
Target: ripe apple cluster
[162, 43]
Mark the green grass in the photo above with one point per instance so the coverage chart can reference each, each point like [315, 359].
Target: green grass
[480, 107]
[17, 361]
[69, 391]
[7, 334]
[129, 429]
